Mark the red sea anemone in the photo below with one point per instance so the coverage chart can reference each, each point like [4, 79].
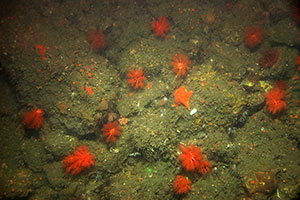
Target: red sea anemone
[34, 119]
[79, 160]
[298, 62]
[253, 36]
[204, 167]
[161, 26]
[296, 12]
[136, 78]
[97, 39]
[275, 98]
[192, 159]
[182, 185]
[269, 58]
[111, 130]
[180, 64]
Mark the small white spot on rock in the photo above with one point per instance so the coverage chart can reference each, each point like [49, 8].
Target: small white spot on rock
[193, 111]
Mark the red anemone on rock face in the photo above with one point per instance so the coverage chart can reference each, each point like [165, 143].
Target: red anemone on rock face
[298, 62]
[97, 39]
[34, 119]
[182, 184]
[136, 78]
[79, 160]
[269, 58]
[253, 36]
[192, 159]
[296, 11]
[111, 130]
[181, 64]
[275, 101]
[161, 26]
[204, 167]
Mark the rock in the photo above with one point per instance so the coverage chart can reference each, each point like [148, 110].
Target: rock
[60, 144]
[34, 155]
[262, 184]
[55, 174]
[284, 32]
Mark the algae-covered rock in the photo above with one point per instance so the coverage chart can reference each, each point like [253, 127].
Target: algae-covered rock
[59, 144]
[261, 184]
[284, 32]
[16, 184]
[139, 101]
[143, 177]
[55, 174]
[35, 155]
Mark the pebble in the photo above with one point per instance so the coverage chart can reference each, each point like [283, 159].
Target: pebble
[193, 111]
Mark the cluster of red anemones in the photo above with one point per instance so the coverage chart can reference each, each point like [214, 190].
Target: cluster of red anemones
[180, 62]
[81, 159]
[97, 38]
[75, 162]
[191, 157]
[275, 98]
[192, 160]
